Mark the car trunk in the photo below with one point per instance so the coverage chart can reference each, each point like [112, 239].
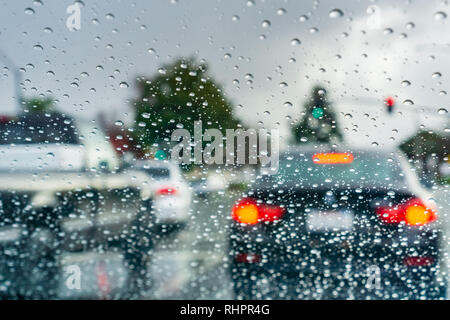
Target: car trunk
[352, 234]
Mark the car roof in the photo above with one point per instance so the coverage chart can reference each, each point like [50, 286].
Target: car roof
[154, 164]
[337, 148]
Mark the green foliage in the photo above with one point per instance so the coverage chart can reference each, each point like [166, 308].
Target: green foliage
[39, 105]
[318, 125]
[179, 94]
[425, 143]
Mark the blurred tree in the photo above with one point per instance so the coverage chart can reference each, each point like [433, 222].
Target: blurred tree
[39, 105]
[179, 94]
[318, 123]
[423, 146]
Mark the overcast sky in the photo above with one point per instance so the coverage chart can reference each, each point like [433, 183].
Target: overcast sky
[398, 48]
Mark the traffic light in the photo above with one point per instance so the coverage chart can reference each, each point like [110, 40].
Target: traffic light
[389, 102]
[317, 112]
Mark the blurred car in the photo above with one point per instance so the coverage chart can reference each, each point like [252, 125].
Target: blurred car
[62, 191]
[337, 223]
[209, 184]
[172, 194]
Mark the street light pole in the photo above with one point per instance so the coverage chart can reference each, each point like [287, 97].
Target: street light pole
[17, 79]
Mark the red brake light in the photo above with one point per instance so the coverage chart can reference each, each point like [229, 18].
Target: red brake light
[413, 212]
[247, 258]
[249, 212]
[166, 191]
[418, 261]
[4, 119]
[332, 158]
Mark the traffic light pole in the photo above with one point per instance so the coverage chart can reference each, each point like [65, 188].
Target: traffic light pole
[17, 79]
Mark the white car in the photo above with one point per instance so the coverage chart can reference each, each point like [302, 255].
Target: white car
[54, 143]
[172, 194]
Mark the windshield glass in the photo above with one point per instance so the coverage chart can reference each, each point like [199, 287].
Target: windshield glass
[366, 168]
[219, 149]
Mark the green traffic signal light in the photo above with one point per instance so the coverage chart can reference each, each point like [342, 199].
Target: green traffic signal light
[317, 112]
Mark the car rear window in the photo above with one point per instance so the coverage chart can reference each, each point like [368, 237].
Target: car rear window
[158, 173]
[38, 130]
[365, 168]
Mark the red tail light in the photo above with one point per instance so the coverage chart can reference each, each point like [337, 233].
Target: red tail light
[413, 212]
[249, 212]
[418, 261]
[166, 191]
[247, 258]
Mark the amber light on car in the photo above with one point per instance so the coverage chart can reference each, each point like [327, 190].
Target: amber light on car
[248, 211]
[413, 212]
[332, 158]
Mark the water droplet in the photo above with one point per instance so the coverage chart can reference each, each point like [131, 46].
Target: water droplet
[408, 102]
[162, 70]
[336, 13]
[442, 111]
[287, 104]
[123, 84]
[295, 42]
[440, 15]
[436, 75]
[303, 18]
[119, 123]
[265, 24]
[406, 83]
[410, 25]
[29, 11]
[281, 11]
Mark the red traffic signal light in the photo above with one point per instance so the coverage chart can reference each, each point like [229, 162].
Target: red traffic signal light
[389, 102]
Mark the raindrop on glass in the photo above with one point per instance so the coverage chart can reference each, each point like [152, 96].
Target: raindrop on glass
[336, 13]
